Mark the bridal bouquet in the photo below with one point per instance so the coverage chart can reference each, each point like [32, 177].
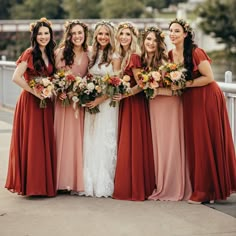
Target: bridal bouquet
[149, 80]
[114, 85]
[44, 87]
[86, 90]
[63, 83]
[173, 74]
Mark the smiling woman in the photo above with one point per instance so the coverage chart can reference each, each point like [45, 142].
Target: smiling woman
[100, 129]
[32, 164]
[71, 57]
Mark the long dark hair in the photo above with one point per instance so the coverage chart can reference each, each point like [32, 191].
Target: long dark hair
[36, 52]
[189, 46]
[160, 55]
[68, 53]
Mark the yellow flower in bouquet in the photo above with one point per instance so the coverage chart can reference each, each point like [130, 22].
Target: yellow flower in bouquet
[44, 87]
[149, 80]
[173, 73]
[112, 84]
[63, 82]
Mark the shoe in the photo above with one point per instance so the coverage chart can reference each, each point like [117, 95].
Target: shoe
[194, 202]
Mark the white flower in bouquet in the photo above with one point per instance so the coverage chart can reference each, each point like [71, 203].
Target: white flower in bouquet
[90, 86]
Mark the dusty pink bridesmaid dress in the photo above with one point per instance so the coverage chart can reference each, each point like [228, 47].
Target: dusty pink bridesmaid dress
[171, 171]
[69, 138]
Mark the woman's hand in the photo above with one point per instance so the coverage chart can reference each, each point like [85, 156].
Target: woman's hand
[36, 94]
[175, 87]
[94, 103]
[117, 97]
[155, 93]
[63, 96]
[70, 94]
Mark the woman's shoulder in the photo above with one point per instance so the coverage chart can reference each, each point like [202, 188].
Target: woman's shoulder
[59, 52]
[116, 55]
[135, 55]
[25, 56]
[199, 55]
[27, 52]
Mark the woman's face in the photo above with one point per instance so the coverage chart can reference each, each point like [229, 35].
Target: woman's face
[177, 34]
[125, 38]
[150, 43]
[103, 37]
[43, 37]
[77, 35]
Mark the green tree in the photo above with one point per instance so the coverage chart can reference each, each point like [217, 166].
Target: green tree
[5, 8]
[159, 4]
[218, 18]
[121, 8]
[34, 9]
[82, 9]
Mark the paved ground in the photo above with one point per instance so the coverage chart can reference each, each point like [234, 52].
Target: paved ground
[67, 215]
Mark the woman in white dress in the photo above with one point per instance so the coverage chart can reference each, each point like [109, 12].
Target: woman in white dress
[100, 129]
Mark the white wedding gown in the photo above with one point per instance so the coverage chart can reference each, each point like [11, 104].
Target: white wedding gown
[100, 145]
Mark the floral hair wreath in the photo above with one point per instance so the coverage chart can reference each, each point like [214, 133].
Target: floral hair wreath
[106, 23]
[154, 29]
[41, 20]
[128, 25]
[69, 23]
[186, 26]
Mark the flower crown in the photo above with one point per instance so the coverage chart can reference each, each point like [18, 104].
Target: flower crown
[106, 23]
[41, 20]
[154, 29]
[183, 23]
[68, 24]
[128, 25]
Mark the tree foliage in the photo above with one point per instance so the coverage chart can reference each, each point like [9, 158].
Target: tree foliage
[34, 9]
[218, 18]
[81, 9]
[5, 8]
[92, 9]
[121, 8]
[159, 4]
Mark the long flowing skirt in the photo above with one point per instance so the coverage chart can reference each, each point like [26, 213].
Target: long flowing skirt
[100, 151]
[210, 149]
[69, 142]
[134, 178]
[171, 169]
[32, 158]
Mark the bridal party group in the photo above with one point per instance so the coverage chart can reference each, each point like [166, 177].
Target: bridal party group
[171, 146]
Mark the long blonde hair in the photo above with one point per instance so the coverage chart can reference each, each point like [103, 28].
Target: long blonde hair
[108, 50]
[134, 46]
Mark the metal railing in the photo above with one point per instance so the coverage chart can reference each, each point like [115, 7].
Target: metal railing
[10, 92]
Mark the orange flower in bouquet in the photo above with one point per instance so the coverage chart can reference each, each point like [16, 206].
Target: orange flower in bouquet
[115, 85]
[44, 87]
[149, 80]
[173, 73]
[63, 82]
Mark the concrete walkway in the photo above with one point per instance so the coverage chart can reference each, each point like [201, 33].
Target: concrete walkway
[67, 215]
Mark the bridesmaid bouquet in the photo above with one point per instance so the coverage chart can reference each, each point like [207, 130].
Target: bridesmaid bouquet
[149, 80]
[114, 85]
[86, 90]
[173, 74]
[43, 86]
[63, 83]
